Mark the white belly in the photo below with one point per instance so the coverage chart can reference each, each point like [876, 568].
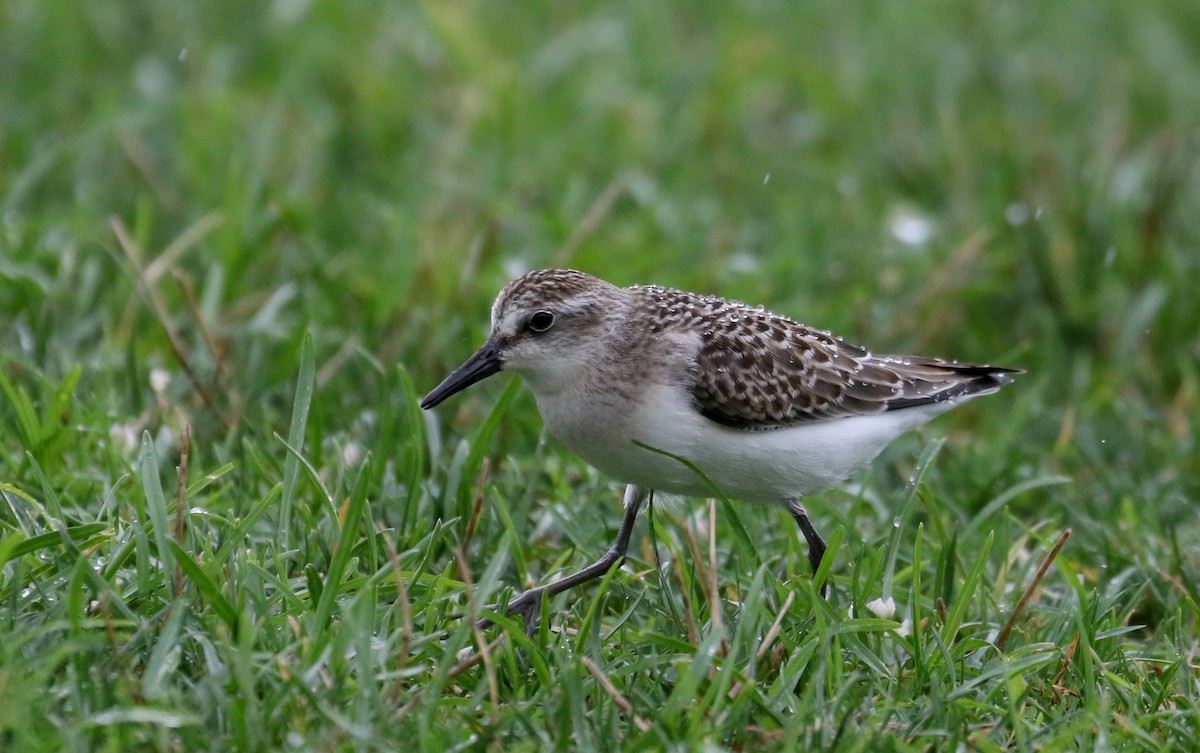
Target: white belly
[760, 466]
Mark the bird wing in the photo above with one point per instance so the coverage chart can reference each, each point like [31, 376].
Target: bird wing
[763, 371]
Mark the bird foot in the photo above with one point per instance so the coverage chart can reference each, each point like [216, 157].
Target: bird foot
[527, 606]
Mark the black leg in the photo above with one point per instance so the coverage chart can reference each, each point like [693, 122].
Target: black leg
[816, 544]
[529, 604]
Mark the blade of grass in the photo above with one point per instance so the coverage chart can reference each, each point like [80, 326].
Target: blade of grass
[164, 656]
[300, 406]
[206, 586]
[1002, 499]
[743, 537]
[27, 421]
[347, 536]
[312, 474]
[238, 534]
[928, 455]
[481, 444]
[959, 609]
[20, 547]
[914, 606]
[417, 451]
[156, 502]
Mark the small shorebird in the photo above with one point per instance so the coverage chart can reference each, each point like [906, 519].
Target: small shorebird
[635, 379]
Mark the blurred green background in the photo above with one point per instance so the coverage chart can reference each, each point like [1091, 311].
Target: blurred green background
[1005, 182]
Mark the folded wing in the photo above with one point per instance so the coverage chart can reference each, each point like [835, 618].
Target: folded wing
[771, 372]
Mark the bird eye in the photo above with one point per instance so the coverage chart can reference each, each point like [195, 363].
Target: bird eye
[541, 321]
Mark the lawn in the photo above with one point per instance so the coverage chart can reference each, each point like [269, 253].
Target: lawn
[239, 241]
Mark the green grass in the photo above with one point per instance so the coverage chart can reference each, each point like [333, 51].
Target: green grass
[261, 232]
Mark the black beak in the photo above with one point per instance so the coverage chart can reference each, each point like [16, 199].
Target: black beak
[482, 365]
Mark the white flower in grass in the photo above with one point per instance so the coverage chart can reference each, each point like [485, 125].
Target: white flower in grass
[905, 628]
[125, 436]
[884, 609]
[352, 453]
[1017, 213]
[159, 380]
[910, 227]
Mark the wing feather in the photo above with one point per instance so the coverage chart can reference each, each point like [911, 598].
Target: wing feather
[786, 373]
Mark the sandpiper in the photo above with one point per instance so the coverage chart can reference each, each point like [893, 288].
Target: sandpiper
[636, 380]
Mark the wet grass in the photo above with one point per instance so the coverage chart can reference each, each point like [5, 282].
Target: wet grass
[239, 243]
